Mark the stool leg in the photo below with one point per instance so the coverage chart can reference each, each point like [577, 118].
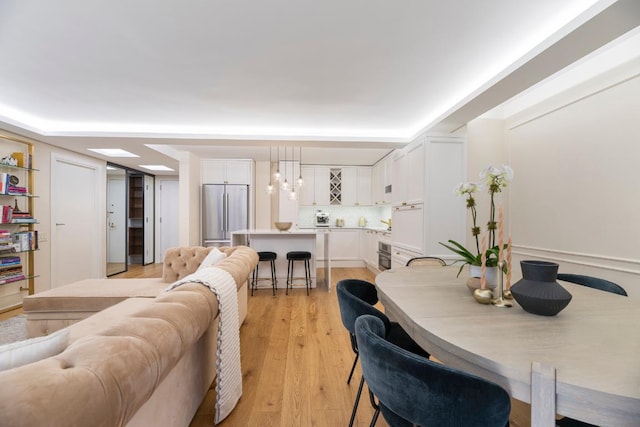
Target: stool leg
[307, 275]
[289, 265]
[273, 276]
[254, 281]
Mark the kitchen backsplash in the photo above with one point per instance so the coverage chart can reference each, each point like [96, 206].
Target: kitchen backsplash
[350, 214]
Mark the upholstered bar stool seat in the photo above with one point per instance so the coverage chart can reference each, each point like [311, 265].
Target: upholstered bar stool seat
[271, 258]
[293, 256]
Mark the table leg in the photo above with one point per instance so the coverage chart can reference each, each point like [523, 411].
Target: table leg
[543, 395]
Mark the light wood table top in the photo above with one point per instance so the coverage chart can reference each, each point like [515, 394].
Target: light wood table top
[591, 348]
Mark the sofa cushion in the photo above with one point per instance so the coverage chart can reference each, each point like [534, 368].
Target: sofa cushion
[214, 256]
[28, 351]
[92, 294]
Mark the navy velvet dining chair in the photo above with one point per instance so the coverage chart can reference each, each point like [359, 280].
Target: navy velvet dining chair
[413, 390]
[356, 298]
[595, 283]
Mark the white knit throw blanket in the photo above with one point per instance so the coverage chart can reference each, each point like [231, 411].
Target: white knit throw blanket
[228, 371]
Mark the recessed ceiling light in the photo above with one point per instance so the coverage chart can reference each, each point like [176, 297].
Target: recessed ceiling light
[113, 152]
[156, 167]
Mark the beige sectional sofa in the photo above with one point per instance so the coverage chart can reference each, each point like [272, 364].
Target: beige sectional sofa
[138, 356]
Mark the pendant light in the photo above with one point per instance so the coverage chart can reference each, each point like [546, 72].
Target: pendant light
[285, 183]
[269, 186]
[300, 180]
[276, 176]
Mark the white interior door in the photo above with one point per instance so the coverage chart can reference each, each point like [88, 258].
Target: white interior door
[116, 219]
[168, 219]
[149, 223]
[78, 209]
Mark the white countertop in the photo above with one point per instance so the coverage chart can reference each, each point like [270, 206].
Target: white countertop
[266, 231]
[379, 229]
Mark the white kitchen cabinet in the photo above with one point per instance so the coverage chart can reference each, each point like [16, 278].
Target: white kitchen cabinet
[408, 227]
[381, 181]
[315, 191]
[307, 191]
[369, 247]
[226, 171]
[408, 174]
[400, 256]
[345, 244]
[349, 185]
[356, 186]
[445, 212]
[421, 221]
[345, 247]
[364, 186]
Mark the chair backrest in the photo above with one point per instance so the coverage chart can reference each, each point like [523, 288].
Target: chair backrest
[424, 392]
[355, 298]
[593, 282]
[426, 260]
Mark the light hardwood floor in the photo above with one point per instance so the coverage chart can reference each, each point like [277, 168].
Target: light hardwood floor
[296, 358]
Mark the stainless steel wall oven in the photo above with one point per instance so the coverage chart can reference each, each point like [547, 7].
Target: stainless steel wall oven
[384, 256]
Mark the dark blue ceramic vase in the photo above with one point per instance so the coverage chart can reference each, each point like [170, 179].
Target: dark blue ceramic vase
[538, 292]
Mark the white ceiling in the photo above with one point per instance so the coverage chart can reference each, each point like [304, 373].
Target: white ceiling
[227, 79]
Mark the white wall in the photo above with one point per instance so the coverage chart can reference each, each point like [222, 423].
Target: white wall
[263, 200]
[189, 230]
[485, 146]
[576, 198]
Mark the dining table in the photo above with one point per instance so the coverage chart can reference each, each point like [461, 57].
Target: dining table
[582, 363]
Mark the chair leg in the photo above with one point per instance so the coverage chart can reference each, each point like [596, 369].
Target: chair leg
[273, 277]
[375, 418]
[353, 368]
[375, 406]
[355, 404]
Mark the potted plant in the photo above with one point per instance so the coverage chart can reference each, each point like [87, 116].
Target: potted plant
[495, 179]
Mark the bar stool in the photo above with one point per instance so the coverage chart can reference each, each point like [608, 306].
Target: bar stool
[265, 256]
[298, 256]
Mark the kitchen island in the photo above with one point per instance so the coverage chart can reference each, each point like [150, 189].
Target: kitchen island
[282, 242]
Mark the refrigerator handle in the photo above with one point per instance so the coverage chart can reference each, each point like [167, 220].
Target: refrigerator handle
[226, 214]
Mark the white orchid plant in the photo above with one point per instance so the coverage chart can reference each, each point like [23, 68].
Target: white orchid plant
[494, 179]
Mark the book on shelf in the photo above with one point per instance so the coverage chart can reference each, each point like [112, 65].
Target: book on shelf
[14, 189]
[9, 249]
[4, 182]
[7, 214]
[15, 278]
[10, 270]
[28, 240]
[23, 221]
[7, 260]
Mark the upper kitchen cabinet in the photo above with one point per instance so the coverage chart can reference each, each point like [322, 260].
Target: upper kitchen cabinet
[381, 181]
[315, 191]
[409, 173]
[225, 171]
[356, 186]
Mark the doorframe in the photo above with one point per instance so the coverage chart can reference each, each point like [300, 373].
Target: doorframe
[58, 195]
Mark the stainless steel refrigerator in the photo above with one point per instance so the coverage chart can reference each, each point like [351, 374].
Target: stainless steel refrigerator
[225, 208]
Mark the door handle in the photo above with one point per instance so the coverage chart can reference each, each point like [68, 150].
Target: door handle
[59, 223]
